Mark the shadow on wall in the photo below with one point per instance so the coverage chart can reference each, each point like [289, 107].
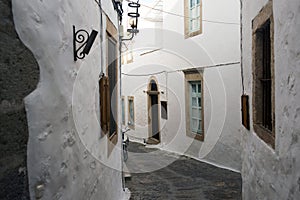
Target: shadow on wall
[19, 76]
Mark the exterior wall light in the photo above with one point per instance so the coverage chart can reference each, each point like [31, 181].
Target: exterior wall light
[134, 19]
[85, 41]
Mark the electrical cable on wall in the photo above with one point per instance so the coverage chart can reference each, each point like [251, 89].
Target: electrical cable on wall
[241, 48]
[101, 36]
[99, 4]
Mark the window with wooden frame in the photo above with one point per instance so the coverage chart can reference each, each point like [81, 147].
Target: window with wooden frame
[123, 110]
[193, 18]
[194, 104]
[263, 75]
[109, 87]
[131, 112]
[164, 110]
[112, 78]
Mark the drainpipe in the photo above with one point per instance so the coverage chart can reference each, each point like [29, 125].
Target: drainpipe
[101, 38]
[241, 45]
[120, 78]
[120, 93]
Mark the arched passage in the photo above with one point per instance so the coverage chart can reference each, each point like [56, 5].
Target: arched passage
[153, 112]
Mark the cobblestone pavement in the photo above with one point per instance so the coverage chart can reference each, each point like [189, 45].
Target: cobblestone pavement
[185, 178]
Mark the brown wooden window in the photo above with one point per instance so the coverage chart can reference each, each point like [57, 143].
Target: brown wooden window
[263, 34]
[112, 74]
[263, 76]
[245, 111]
[109, 87]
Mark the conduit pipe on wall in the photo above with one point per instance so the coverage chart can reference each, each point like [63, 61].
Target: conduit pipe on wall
[101, 36]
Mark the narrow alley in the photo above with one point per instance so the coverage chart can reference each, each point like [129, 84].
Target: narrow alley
[185, 178]
[149, 100]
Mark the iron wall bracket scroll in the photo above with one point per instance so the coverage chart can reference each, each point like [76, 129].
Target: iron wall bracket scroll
[85, 42]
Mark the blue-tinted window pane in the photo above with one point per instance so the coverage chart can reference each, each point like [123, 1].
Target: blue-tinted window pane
[194, 88]
[194, 14]
[195, 107]
[199, 127]
[194, 101]
[192, 3]
[123, 111]
[196, 113]
[131, 112]
[199, 88]
[194, 125]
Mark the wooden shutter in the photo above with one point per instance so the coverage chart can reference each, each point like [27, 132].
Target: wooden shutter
[245, 111]
[107, 94]
[104, 103]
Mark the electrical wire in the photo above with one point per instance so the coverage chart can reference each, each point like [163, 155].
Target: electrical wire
[99, 4]
[150, 74]
[178, 15]
[101, 35]
[179, 70]
[126, 47]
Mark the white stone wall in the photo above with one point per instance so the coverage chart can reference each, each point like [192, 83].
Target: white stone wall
[269, 173]
[219, 43]
[68, 157]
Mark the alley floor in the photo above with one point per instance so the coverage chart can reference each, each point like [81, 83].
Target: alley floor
[184, 178]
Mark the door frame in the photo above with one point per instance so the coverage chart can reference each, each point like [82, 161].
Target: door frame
[149, 108]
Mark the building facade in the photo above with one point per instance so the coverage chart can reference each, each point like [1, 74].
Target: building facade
[74, 145]
[270, 61]
[181, 90]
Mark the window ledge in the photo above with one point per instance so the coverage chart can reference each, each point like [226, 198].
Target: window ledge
[195, 136]
[264, 134]
[192, 34]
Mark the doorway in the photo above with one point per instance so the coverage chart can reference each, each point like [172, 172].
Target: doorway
[153, 112]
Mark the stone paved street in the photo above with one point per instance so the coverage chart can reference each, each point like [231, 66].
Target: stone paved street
[185, 178]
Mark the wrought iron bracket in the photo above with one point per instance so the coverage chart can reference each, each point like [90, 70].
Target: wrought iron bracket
[85, 42]
[132, 33]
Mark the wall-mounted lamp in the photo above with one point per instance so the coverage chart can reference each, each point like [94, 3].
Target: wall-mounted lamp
[133, 19]
[133, 23]
[85, 41]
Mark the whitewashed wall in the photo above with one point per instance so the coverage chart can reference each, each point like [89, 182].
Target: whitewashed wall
[268, 173]
[219, 43]
[68, 157]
